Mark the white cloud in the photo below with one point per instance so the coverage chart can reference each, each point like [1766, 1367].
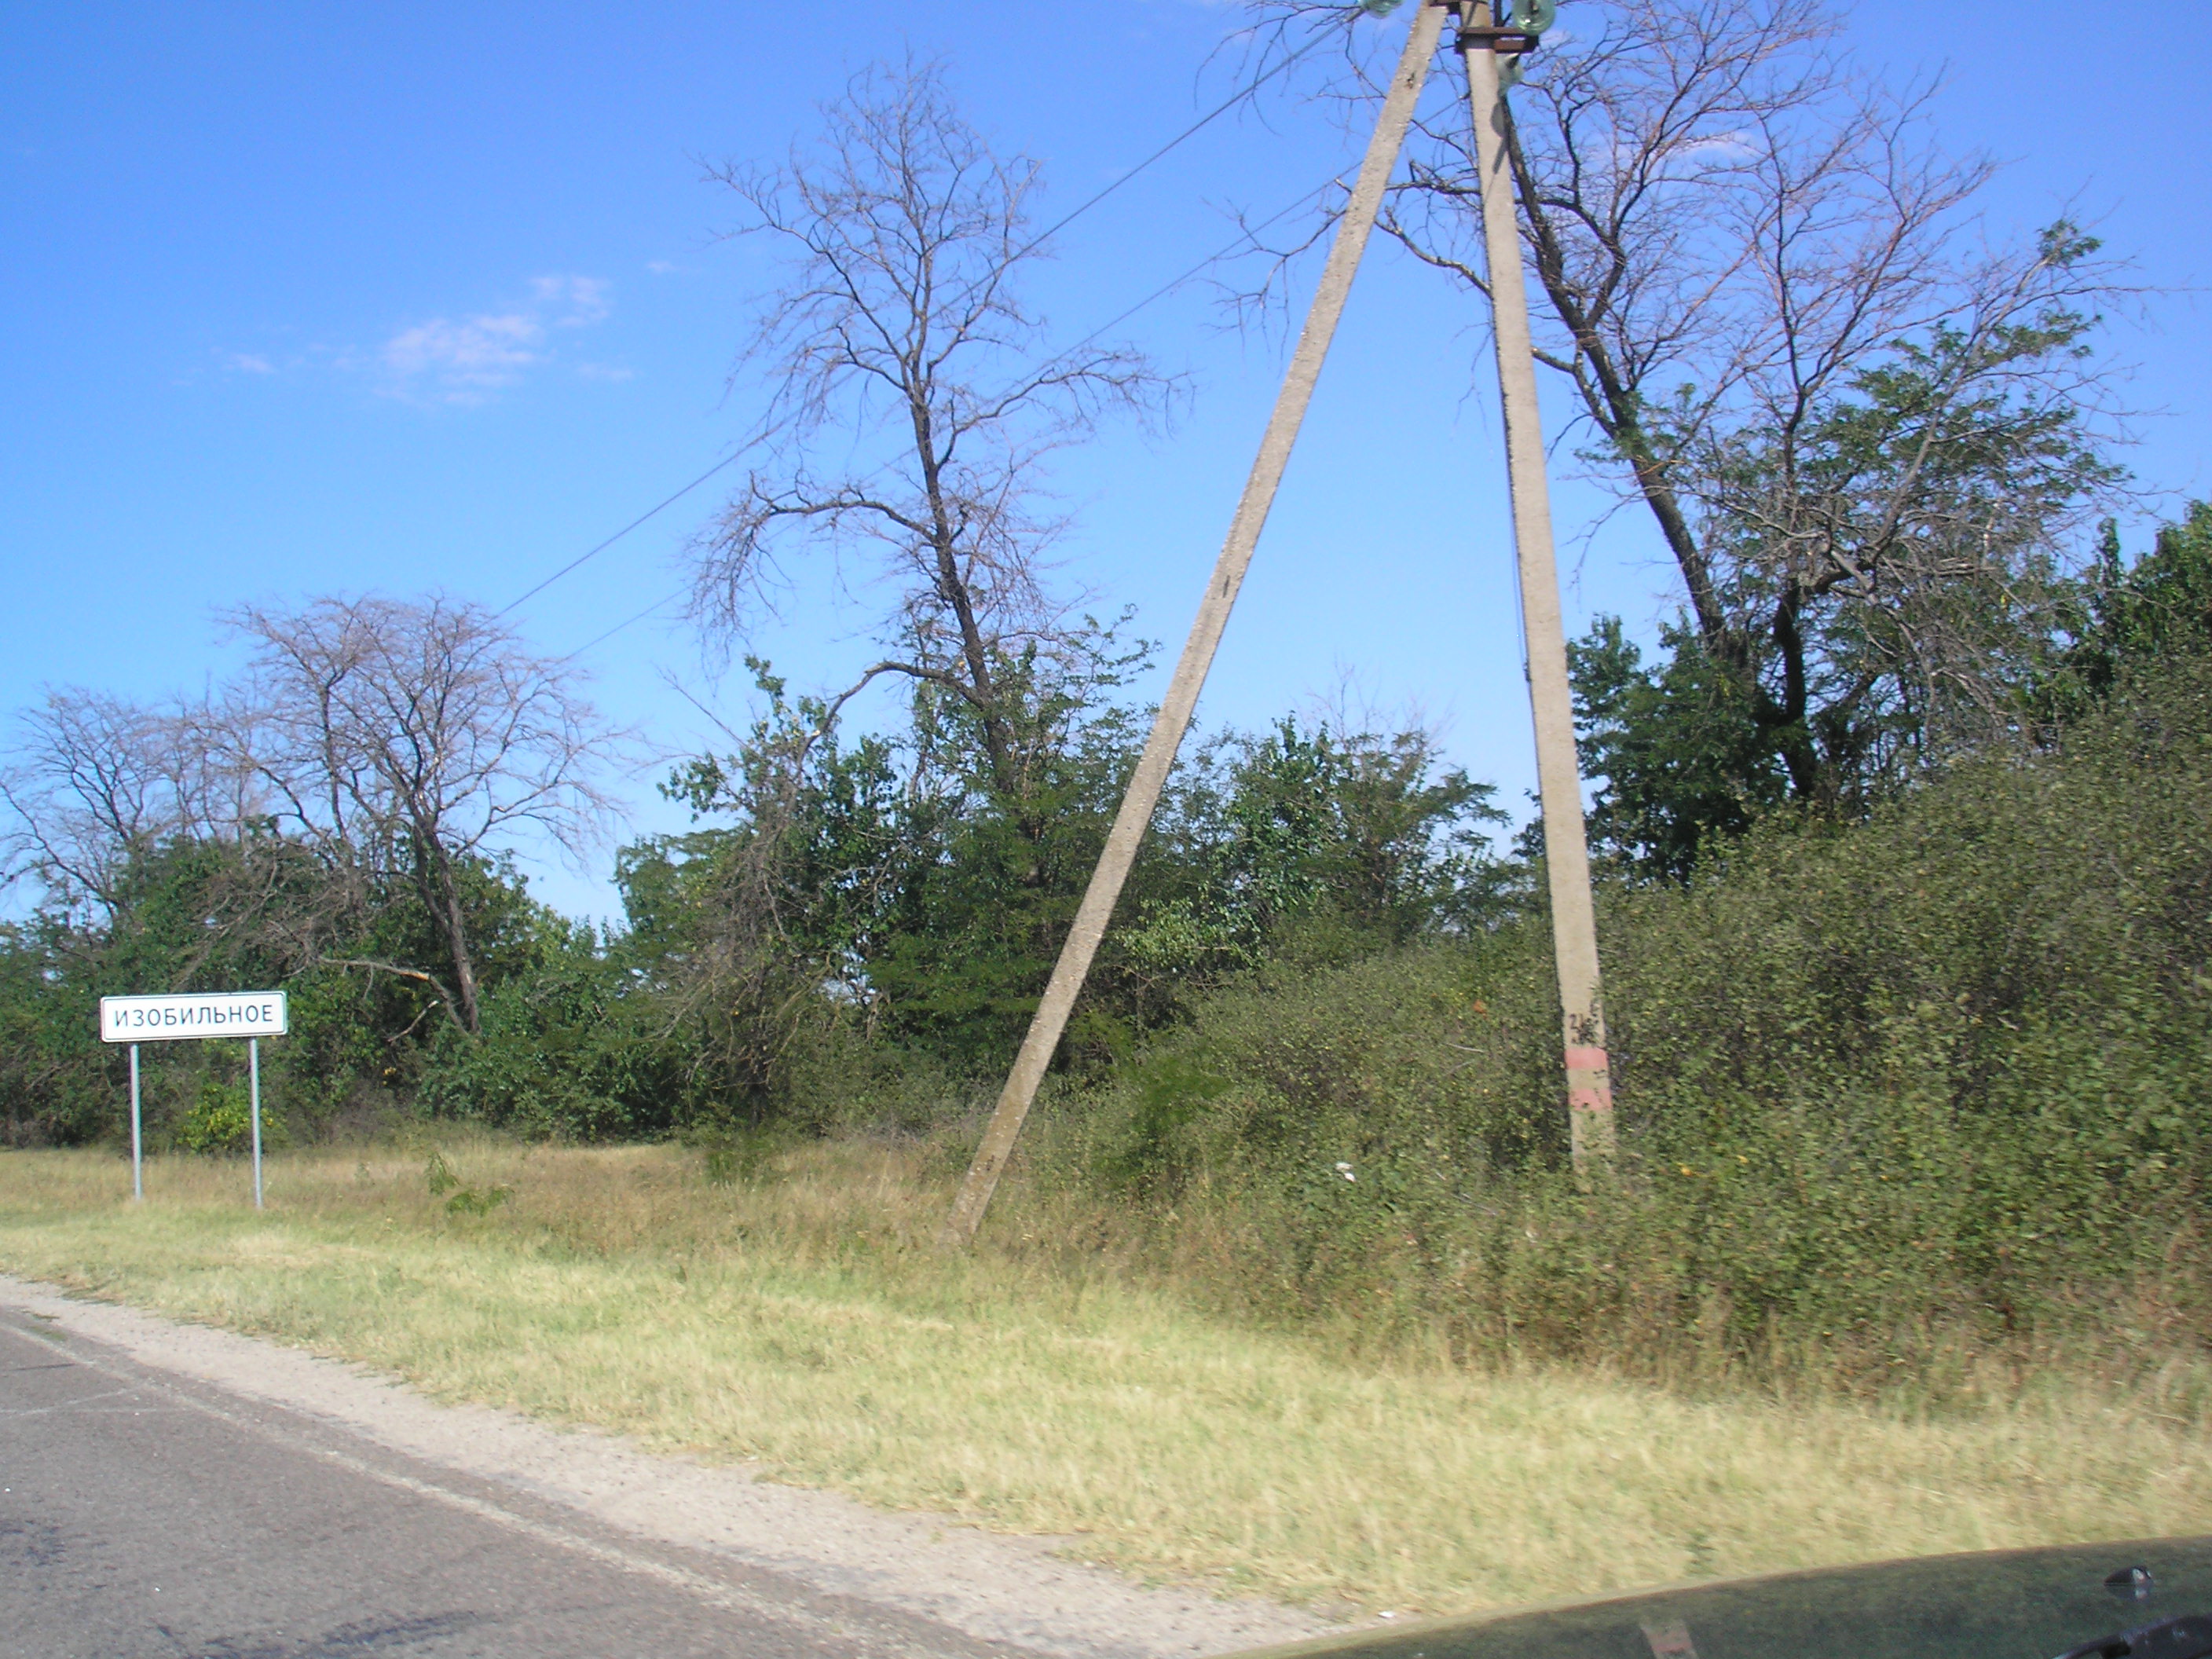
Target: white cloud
[577, 301]
[462, 361]
[466, 360]
[247, 362]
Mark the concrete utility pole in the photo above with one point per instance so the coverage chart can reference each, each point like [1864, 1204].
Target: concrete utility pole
[1566, 847]
[1176, 708]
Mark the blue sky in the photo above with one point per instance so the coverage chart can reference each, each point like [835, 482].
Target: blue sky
[301, 300]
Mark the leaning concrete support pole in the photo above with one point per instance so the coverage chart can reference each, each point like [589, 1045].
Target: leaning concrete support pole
[1050, 1019]
[1566, 848]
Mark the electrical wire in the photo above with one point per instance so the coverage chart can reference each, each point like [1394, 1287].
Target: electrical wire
[1026, 249]
[1248, 234]
[1188, 132]
[581, 558]
[661, 603]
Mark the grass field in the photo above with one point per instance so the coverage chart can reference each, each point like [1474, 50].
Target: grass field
[796, 1314]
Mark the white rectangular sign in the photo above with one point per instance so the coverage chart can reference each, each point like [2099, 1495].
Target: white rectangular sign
[192, 1014]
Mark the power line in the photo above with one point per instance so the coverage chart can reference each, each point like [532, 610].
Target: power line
[1248, 234]
[594, 553]
[659, 604]
[1190, 132]
[1030, 246]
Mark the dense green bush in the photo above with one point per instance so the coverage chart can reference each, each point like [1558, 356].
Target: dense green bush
[190, 914]
[221, 1119]
[1940, 1077]
[58, 1083]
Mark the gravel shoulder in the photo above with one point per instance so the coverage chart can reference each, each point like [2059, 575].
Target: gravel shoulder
[991, 1589]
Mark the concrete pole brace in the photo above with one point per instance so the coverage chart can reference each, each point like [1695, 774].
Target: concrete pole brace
[1176, 707]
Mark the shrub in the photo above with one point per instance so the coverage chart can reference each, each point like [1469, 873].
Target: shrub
[1930, 1084]
[220, 1120]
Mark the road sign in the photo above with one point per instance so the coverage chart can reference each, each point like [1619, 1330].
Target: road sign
[249, 1014]
[192, 1014]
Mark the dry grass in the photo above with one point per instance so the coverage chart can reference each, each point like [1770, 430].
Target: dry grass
[801, 1317]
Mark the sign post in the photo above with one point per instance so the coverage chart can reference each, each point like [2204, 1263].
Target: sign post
[138, 1162]
[254, 1071]
[185, 1016]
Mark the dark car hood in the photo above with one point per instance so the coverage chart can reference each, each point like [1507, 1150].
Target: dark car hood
[2005, 1604]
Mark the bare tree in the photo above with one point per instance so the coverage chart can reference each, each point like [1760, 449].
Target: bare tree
[408, 740]
[911, 415]
[92, 780]
[87, 780]
[372, 745]
[1863, 434]
[99, 790]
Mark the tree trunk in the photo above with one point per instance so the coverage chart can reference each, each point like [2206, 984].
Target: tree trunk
[441, 898]
[464, 971]
[945, 548]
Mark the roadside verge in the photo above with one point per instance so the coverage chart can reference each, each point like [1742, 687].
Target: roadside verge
[993, 1587]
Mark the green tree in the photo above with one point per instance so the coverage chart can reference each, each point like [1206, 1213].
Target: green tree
[1367, 838]
[339, 820]
[1866, 434]
[1684, 764]
[895, 882]
[2125, 617]
[1677, 746]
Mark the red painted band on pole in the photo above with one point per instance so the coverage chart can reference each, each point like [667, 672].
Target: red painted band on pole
[1587, 1059]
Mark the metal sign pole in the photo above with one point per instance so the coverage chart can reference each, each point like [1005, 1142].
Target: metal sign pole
[253, 1070]
[137, 1165]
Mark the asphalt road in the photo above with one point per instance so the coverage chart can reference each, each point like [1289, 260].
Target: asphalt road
[142, 1513]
